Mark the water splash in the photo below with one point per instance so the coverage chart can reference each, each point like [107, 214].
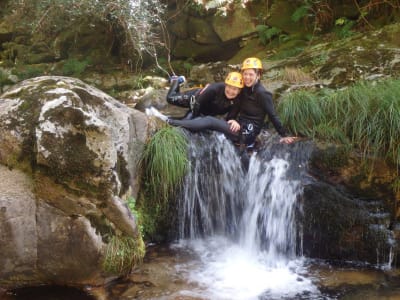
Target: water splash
[242, 225]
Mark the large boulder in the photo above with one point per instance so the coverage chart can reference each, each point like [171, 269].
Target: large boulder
[68, 156]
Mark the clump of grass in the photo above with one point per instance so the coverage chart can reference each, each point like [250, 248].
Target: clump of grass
[122, 254]
[164, 162]
[365, 115]
[302, 112]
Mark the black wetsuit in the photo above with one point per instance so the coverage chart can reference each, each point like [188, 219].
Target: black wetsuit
[250, 109]
[256, 103]
[207, 101]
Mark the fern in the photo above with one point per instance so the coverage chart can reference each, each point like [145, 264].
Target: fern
[300, 13]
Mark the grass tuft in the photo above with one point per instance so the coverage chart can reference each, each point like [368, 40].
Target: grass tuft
[164, 163]
[122, 254]
[365, 115]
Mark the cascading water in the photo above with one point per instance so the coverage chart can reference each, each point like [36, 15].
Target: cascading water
[242, 224]
[268, 223]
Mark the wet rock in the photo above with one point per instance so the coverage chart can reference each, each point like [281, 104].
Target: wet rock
[68, 160]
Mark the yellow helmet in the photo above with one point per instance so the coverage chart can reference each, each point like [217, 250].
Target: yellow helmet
[234, 79]
[252, 63]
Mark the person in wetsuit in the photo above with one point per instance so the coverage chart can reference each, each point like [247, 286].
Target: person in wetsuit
[214, 99]
[248, 115]
[245, 120]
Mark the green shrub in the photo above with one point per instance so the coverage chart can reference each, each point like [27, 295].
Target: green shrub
[266, 33]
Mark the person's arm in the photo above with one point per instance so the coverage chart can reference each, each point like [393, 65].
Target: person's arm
[268, 106]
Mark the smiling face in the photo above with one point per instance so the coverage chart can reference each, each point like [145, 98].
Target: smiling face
[231, 92]
[250, 77]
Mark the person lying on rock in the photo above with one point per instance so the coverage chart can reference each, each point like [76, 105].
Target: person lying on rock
[245, 120]
[214, 99]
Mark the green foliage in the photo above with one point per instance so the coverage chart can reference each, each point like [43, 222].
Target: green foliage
[343, 28]
[302, 112]
[140, 82]
[122, 253]
[188, 65]
[163, 166]
[4, 80]
[74, 67]
[164, 163]
[146, 216]
[131, 202]
[135, 20]
[29, 71]
[301, 12]
[366, 115]
[266, 33]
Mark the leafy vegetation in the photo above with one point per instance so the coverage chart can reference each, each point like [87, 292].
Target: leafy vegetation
[74, 67]
[365, 116]
[139, 21]
[343, 28]
[267, 33]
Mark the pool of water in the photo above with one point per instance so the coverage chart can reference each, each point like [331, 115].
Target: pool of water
[199, 270]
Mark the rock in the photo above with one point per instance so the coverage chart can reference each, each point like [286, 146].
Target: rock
[235, 25]
[68, 157]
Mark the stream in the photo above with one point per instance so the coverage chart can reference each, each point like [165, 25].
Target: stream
[239, 239]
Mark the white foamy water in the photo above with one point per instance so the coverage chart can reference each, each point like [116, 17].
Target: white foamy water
[226, 270]
[242, 227]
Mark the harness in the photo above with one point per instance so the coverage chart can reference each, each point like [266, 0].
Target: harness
[248, 135]
[193, 103]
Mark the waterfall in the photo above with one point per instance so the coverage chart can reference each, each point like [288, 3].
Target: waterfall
[241, 220]
[268, 222]
[211, 199]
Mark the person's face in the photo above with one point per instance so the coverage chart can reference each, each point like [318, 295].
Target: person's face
[231, 92]
[250, 77]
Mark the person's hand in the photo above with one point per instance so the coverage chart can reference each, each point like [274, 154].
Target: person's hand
[288, 140]
[234, 126]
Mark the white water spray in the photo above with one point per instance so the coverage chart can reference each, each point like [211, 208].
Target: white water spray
[268, 223]
[242, 226]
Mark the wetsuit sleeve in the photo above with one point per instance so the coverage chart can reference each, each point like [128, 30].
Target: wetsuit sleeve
[268, 105]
